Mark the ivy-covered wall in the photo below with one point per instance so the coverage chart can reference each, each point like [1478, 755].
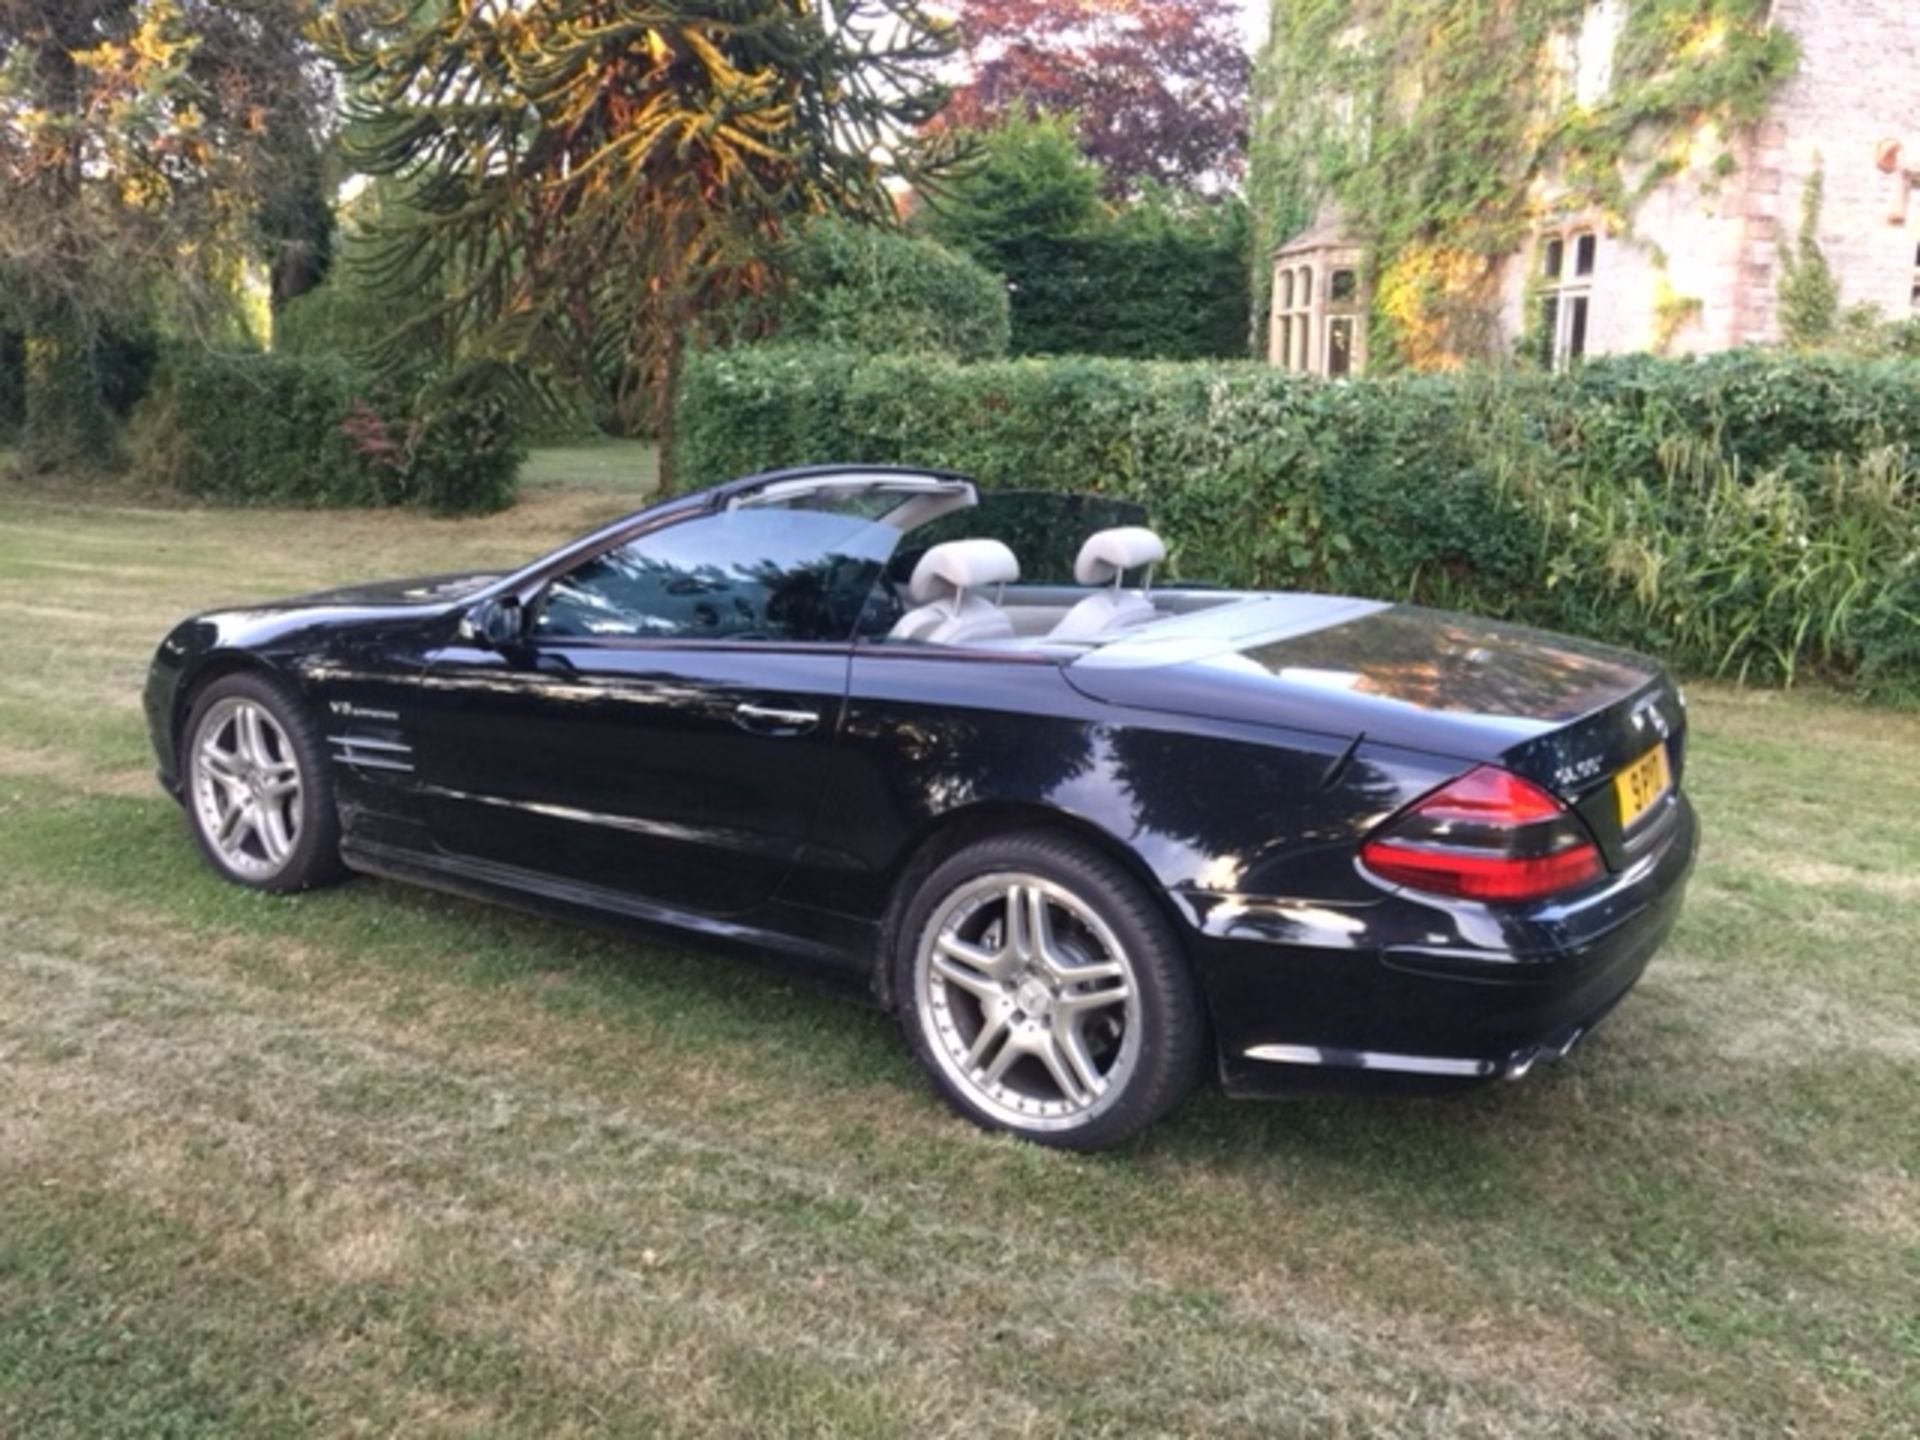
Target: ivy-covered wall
[1445, 129]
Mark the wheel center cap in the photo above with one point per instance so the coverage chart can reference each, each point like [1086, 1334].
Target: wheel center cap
[1033, 998]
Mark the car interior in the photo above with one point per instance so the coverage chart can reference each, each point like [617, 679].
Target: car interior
[960, 595]
[973, 590]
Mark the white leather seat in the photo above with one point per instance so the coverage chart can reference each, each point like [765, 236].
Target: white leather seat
[1105, 560]
[947, 612]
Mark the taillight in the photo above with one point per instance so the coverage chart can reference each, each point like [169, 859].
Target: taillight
[1487, 836]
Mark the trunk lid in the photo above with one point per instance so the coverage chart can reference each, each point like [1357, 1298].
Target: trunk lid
[1567, 714]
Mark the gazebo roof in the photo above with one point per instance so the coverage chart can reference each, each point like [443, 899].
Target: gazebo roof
[1327, 232]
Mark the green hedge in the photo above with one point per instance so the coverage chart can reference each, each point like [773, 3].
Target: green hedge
[13, 384]
[864, 288]
[1751, 515]
[251, 429]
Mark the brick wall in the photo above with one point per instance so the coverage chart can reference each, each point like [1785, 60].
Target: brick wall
[1858, 83]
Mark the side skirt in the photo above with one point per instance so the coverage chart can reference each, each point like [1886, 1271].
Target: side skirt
[836, 948]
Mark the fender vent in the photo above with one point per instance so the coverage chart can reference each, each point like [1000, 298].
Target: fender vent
[372, 752]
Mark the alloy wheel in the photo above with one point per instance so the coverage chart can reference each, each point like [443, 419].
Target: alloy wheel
[1030, 1001]
[246, 788]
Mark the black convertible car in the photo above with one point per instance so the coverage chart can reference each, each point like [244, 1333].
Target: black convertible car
[1085, 837]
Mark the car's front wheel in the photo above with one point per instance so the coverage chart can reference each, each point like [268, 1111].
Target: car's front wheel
[1046, 995]
[258, 795]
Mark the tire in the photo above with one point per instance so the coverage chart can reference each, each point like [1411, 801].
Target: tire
[259, 798]
[1077, 1039]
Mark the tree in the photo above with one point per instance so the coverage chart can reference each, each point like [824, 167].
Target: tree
[1162, 276]
[588, 179]
[140, 143]
[1023, 210]
[1158, 87]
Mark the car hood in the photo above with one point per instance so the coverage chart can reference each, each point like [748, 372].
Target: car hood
[1395, 674]
[418, 590]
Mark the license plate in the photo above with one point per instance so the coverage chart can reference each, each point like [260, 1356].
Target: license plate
[1641, 785]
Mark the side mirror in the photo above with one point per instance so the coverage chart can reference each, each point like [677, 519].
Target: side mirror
[499, 622]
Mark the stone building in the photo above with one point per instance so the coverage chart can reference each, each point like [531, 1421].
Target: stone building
[1696, 265]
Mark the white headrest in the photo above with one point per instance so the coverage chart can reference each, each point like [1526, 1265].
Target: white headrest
[1108, 553]
[961, 565]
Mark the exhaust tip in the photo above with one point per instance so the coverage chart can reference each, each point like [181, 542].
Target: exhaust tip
[1521, 1062]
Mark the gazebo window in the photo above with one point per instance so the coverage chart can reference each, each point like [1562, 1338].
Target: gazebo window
[1293, 317]
[1340, 345]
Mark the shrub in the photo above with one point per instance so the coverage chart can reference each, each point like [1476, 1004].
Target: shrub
[464, 454]
[864, 288]
[336, 317]
[252, 429]
[13, 384]
[1752, 515]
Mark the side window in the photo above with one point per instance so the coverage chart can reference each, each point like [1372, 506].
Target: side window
[754, 574]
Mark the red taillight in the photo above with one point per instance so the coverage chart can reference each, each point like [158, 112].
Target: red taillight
[1487, 836]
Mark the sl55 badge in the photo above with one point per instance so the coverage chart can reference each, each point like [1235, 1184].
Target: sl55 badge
[1570, 775]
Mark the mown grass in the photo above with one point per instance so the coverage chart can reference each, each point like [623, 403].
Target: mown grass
[602, 464]
[379, 1160]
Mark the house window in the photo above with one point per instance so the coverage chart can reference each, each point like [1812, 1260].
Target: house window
[1593, 51]
[1342, 286]
[1916, 281]
[1567, 263]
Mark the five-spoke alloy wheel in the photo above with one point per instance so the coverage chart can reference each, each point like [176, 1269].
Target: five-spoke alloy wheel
[1045, 995]
[258, 796]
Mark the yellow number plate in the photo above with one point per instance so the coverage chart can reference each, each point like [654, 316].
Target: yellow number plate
[1641, 785]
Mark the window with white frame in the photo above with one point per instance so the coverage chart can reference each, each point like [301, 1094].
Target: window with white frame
[1567, 260]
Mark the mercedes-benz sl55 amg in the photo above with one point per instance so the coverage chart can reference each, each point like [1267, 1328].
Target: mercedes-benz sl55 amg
[1089, 838]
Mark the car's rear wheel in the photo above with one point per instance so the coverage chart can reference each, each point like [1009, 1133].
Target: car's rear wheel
[258, 794]
[1046, 995]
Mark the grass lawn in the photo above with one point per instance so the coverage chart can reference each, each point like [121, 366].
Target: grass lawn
[379, 1160]
[627, 466]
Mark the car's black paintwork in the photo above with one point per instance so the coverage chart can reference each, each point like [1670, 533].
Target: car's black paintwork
[613, 779]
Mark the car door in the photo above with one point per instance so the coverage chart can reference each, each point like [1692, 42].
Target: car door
[662, 725]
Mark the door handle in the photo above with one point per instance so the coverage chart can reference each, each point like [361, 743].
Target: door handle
[771, 720]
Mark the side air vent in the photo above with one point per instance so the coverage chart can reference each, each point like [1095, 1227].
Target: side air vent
[372, 752]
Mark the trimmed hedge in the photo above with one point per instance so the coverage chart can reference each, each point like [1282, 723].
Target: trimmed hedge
[250, 429]
[1753, 514]
[864, 288]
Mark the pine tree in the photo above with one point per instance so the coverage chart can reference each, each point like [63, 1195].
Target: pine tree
[588, 181]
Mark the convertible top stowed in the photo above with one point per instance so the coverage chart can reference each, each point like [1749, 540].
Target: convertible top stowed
[1087, 830]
